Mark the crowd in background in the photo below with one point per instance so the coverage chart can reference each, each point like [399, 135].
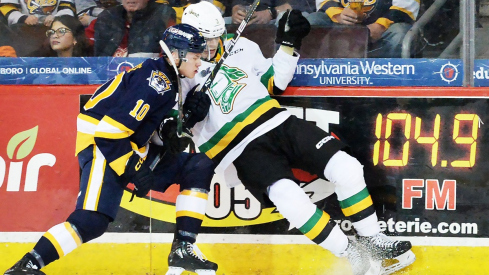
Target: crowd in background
[132, 28]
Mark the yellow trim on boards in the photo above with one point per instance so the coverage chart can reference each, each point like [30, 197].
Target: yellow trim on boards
[255, 259]
[166, 212]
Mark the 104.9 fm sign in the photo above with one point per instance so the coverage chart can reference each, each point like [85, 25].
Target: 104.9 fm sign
[425, 159]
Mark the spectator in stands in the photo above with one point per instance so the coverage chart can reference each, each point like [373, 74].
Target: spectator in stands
[132, 29]
[305, 6]
[265, 13]
[30, 12]
[179, 6]
[67, 38]
[88, 10]
[6, 49]
[387, 21]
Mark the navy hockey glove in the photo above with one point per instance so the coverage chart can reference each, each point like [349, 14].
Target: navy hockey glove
[168, 134]
[292, 28]
[196, 107]
[139, 173]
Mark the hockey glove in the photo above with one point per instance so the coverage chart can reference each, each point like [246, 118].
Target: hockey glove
[139, 173]
[197, 106]
[168, 134]
[292, 28]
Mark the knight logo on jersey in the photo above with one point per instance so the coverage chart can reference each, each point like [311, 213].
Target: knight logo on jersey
[159, 81]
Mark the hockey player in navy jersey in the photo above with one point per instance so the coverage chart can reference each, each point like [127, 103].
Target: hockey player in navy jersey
[251, 138]
[113, 149]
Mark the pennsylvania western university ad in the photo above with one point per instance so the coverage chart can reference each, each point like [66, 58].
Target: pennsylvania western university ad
[421, 137]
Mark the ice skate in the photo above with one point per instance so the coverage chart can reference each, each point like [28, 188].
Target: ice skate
[360, 263]
[24, 267]
[395, 255]
[187, 256]
[392, 265]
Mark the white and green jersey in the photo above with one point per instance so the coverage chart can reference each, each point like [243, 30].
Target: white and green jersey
[241, 108]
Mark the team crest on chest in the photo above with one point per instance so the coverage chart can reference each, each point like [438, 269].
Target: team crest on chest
[159, 81]
[225, 89]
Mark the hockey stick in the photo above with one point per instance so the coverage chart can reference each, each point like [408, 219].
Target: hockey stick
[227, 50]
[209, 80]
[167, 51]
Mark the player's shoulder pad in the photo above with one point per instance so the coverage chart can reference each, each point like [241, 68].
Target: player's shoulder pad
[155, 73]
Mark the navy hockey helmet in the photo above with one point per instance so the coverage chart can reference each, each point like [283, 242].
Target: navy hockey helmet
[184, 38]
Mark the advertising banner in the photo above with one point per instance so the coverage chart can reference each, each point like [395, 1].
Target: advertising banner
[481, 73]
[38, 168]
[310, 72]
[70, 71]
[378, 72]
[424, 163]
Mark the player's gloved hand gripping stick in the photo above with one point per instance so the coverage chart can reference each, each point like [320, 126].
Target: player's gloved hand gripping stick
[138, 173]
[183, 119]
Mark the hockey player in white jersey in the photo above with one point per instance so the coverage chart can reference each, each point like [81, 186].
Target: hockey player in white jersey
[251, 138]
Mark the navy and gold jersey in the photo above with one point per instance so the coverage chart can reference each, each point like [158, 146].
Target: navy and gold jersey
[123, 113]
[384, 12]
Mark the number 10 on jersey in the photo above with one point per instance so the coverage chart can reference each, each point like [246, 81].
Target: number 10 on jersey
[384, 129]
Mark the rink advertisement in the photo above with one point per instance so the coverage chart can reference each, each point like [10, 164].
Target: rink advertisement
[38, 171]
[424, 158]
[378, 72]
[309, 72]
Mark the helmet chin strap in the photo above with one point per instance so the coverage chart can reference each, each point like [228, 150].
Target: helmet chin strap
[167, 52]
[209, 57]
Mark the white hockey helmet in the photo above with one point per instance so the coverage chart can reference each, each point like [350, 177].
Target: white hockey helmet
[206, 18]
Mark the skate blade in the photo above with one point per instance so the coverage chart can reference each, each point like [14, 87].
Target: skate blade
[175, 270]
[205, 272]
[375, 267]
[398, 263]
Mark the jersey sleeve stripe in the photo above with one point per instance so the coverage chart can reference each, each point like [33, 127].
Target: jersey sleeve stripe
[219, 5]
[331, 12]
[85, 126]
[265, 79]
[5, 9]
[384, 22]
[232, 129]
[109, 125]
[119, 165]
[104, 94]
[88, 119]
[83, 140]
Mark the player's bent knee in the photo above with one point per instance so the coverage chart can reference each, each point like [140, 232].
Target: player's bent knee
[198, 173]
[90, 224]
[291, 201]
[343, 169]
